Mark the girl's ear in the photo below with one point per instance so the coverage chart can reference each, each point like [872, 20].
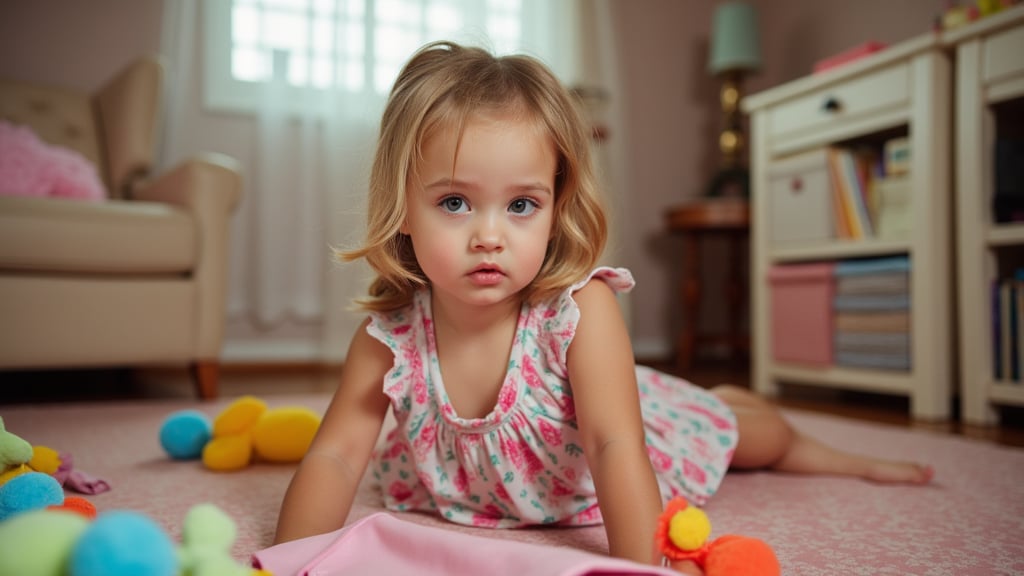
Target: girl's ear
[404, 228]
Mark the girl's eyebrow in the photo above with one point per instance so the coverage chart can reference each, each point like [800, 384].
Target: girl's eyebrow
[446, 183]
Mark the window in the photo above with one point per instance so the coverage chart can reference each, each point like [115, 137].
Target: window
[354, 47]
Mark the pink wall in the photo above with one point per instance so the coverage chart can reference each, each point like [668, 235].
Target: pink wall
[75, 44]
[669, 102]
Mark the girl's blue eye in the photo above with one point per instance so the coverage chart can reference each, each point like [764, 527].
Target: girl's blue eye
[522, 206]
[453, 205]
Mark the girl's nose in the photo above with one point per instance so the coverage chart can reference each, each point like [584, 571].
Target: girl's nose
[487, 234]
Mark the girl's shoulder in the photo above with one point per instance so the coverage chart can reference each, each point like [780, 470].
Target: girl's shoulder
[618, 279]
[560, 316]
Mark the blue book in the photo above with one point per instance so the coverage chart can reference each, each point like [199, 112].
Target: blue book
[857, 303]
[872, 266]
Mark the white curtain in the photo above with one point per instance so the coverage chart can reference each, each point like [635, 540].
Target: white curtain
[306, 168]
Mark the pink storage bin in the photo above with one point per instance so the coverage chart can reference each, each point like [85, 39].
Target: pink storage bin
[801, 313]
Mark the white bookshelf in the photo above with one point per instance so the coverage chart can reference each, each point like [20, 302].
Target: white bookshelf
[990, 70]
[907, 88]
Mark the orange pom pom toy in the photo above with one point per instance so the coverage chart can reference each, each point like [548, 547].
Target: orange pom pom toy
[683, 534]
[77, 505]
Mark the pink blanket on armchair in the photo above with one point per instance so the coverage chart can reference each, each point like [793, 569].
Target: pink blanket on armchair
[31, 167]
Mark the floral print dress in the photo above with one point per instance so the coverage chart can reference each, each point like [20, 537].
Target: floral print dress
[523, 464]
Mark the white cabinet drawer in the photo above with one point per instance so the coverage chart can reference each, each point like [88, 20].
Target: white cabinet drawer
[1004, 55]
[800, 199]
[854, 98]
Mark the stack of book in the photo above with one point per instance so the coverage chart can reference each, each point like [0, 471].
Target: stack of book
[1008, 327]
[872, 313]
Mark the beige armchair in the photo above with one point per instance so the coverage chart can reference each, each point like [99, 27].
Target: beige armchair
[138, 278]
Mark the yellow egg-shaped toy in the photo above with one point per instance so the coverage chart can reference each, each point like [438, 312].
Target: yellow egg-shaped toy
[228, 452]
[284, 434]
[240, 416]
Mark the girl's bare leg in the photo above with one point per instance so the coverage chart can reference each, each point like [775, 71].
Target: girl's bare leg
[768, 441]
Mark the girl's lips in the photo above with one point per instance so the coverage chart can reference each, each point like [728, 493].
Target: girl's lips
[486, 275]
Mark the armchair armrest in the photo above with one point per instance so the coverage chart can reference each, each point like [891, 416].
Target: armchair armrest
[209, 188]
[209, 183]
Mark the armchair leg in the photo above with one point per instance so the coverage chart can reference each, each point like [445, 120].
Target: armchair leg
[206, 373]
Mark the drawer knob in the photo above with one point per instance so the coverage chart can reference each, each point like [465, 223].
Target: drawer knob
[831, 105]
[796, 185]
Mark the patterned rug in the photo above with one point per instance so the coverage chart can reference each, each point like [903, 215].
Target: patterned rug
[969, 521]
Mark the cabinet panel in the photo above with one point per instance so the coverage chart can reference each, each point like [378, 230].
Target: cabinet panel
[1004, 55]
[834, 105]
[801, 200]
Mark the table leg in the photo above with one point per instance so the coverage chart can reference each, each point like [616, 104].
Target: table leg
[734, 294]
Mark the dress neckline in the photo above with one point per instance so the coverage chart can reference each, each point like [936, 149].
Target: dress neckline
[508, 394]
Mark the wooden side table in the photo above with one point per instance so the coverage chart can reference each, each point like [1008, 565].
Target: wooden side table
[729, 218]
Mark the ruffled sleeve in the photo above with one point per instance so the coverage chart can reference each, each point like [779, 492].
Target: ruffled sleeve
[400, 332]
[560, 317]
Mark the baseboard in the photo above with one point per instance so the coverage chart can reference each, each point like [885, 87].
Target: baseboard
[272, 352]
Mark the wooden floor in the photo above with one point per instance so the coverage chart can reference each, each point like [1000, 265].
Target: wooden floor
[267, 380]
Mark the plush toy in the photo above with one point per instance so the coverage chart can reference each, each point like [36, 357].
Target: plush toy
[118, 543]
[27, 492]
[39, 543]
[77, 505]
[14, 452]
[245, 431]
[123, 543]
[683, 534]
[206, 541]
[184, 434]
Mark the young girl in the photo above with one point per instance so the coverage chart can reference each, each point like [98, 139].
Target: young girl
[501, 350]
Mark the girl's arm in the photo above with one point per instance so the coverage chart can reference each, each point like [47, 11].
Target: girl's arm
[602, 374]
[323, 488]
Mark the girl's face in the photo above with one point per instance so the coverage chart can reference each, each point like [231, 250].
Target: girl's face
[480, 231]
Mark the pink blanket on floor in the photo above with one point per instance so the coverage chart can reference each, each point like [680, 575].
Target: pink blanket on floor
[383, 545]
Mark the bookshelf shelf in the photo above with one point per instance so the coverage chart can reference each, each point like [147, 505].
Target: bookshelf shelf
[990, 75]
[1005, 235]
[832, 376]
[903, 92]
[837, 249]
[1007, 393]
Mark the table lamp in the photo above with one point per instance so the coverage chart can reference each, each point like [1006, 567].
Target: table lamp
[734, 53]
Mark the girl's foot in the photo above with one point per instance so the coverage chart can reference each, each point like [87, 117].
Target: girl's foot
[888, 472]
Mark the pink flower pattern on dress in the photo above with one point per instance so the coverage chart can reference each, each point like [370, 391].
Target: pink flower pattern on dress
[551, 434]
[523, 463]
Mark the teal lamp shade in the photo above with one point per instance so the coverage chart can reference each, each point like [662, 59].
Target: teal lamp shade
[734, 38]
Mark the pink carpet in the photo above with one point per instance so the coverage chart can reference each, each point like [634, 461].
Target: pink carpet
[970, 521]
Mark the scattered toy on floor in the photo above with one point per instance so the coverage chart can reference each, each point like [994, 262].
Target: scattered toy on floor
[683, 534]
[14, 452]
[118, 543]
[245, 431]
[18, 457]
[29, 491]
[184, 434]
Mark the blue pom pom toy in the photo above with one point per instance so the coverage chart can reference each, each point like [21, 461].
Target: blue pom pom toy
[123, 543]
[29, 491]
[185, 433]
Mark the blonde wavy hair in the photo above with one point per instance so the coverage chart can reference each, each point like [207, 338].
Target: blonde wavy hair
[441, 86]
